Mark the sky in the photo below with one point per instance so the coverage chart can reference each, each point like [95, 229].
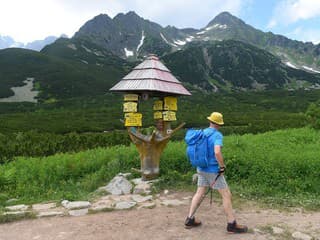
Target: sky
[29, 20]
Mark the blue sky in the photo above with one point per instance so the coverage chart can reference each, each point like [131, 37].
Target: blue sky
[30, 20]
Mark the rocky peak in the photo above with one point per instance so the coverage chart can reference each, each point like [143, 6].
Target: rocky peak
[225, 18]
[101, 18]
[129, 16]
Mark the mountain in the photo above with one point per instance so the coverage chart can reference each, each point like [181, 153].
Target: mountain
[294, 53]
[75, 69]
[130, 36]
[37, 45]
[235, 66]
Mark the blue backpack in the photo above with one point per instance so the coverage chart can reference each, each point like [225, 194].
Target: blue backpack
[197, 147]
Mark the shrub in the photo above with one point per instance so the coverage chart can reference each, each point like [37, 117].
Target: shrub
[313, 115]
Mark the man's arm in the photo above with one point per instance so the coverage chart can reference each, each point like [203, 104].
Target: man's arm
[218, 154]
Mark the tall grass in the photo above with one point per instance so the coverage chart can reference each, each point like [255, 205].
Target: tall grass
[64, 176]
[283, 165]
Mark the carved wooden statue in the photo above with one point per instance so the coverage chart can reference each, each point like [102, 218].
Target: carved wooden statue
[150, 147]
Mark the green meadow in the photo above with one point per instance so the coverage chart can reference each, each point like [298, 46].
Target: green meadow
[278, 167]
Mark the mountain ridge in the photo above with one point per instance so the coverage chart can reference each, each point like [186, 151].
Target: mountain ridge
[224, 26]
[37, 45]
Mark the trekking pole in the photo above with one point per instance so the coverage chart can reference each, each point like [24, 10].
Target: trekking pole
[204, 195]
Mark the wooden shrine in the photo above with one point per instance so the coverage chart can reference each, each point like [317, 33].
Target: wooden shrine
[150, 79]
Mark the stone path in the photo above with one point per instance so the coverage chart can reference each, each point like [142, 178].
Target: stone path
[122, 194]
[158, 216]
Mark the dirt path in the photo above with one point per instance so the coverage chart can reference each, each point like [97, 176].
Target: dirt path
[164, 223]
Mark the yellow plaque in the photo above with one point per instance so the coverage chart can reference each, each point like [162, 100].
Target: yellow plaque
[157, 115]
[170, 103]
[133, 119]
[131, 97]
[169, 116]
[158, 105]
[130, 107]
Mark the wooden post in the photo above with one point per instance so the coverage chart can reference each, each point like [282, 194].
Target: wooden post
[150, 147]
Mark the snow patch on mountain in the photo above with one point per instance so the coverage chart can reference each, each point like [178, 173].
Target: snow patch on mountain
[164, 38]
[202, 32]
[289, 64]
[220, 26]
[128, 52]
[179, 42]
[190, 38]
[141, 41]
[72, 46]
[87, 49]
[172, 44]
[310, 69]
[215, 26]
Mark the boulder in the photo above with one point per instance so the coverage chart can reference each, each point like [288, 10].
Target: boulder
[119, 185]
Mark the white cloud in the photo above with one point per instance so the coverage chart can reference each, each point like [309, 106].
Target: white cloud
[35, 19]
[31, 20]
[290, 11]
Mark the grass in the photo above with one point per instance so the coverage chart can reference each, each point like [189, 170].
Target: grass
[280, 168]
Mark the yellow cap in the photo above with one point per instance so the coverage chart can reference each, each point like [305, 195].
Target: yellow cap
[216, 118]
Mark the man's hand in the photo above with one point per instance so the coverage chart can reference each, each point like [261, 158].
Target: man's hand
[222, 170]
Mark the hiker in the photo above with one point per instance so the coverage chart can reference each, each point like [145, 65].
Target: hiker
[208, 175]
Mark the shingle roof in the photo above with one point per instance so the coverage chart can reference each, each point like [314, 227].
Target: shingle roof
[151, 76]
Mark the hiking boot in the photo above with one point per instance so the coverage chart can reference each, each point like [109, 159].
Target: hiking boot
[191, 222]
[236, 228]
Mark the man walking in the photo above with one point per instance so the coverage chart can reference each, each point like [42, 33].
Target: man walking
[207, 175]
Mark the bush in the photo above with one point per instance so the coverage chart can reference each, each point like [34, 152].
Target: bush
[36, 144]
[313, 115]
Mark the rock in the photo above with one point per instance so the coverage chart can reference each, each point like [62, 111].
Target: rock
[79, 212]
[142, 187]
[49, 214]
[75, 205]
[16, 213]
[149, 205]
[173, 202]
[166, 192]
[137, 181]
[20, 207]
[125, 205]
[43, 206]
[118, 185]
[187, 198]
[121, 198]
[124, 175]
[102, 205]
[277, 230]
[301, 236]
[140, 199]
